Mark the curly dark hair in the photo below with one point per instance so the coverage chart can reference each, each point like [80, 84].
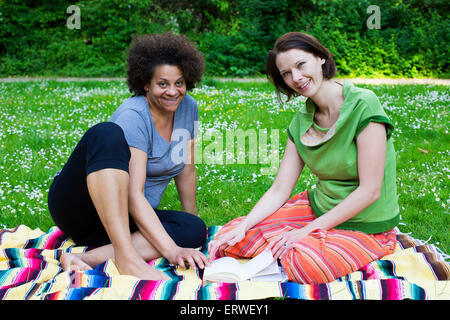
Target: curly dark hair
[150, 51]
[302, 41]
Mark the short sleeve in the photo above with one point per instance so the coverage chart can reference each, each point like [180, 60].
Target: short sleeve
[134, 128]
[293, 130]
[194, 130]
[372, 111]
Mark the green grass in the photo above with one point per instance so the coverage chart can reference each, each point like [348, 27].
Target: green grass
[42, 121]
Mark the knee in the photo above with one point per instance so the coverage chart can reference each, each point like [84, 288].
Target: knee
[106, 147]
[195, 232]
[106, 131]
[109, 135]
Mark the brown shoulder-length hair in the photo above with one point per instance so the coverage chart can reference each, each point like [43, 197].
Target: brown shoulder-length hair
[302, 41]
[150, 51]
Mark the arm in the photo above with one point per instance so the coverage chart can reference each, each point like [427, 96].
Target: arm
[147, 220]
[186, 183]
[290, 168]
[141, 210]
[371, 145]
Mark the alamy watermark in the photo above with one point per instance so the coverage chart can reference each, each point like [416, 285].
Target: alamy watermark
[74, 20]
[233, 146]
[374, 20]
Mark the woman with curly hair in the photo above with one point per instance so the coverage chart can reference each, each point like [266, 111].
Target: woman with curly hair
[107, 194]
[344, 137]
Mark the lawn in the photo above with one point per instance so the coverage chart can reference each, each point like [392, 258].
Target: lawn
[41, 121]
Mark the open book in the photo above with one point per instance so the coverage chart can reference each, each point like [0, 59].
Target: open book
[263, 267]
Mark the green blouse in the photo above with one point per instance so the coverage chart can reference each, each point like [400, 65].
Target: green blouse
[333, 159]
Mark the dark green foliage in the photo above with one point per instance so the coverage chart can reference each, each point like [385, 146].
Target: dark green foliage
[234, 36]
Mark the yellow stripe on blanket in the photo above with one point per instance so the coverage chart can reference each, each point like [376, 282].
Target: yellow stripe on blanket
[29, 269]
[18, 237]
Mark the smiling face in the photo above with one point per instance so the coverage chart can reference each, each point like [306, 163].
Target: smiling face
[301, 71]
[166, 89]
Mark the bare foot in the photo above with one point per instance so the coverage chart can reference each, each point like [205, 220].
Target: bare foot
[134, 267]
[140, 269]
[73, 261]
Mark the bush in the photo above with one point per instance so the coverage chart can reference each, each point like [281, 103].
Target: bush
[234, 36]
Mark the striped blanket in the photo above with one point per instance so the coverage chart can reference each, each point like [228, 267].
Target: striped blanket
[29, 269]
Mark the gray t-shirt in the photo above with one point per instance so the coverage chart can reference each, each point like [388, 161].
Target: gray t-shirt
[165, 160]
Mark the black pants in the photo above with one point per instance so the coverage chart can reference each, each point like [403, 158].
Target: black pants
[70, 205]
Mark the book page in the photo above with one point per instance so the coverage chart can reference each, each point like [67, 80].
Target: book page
[273, 273]
[225, 268]
[263, 267]
[257, 264]
[272, 268]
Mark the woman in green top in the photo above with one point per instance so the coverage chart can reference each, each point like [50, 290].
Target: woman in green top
[344, 136]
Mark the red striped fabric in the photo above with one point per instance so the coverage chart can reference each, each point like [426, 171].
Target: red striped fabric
[322, 256]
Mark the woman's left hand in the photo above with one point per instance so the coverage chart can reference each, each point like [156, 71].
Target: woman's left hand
[193, 257]
[281, 244]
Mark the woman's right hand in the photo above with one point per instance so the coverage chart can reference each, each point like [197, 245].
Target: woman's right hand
[230, 238]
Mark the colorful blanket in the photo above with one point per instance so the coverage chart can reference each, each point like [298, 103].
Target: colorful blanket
[29, 269]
